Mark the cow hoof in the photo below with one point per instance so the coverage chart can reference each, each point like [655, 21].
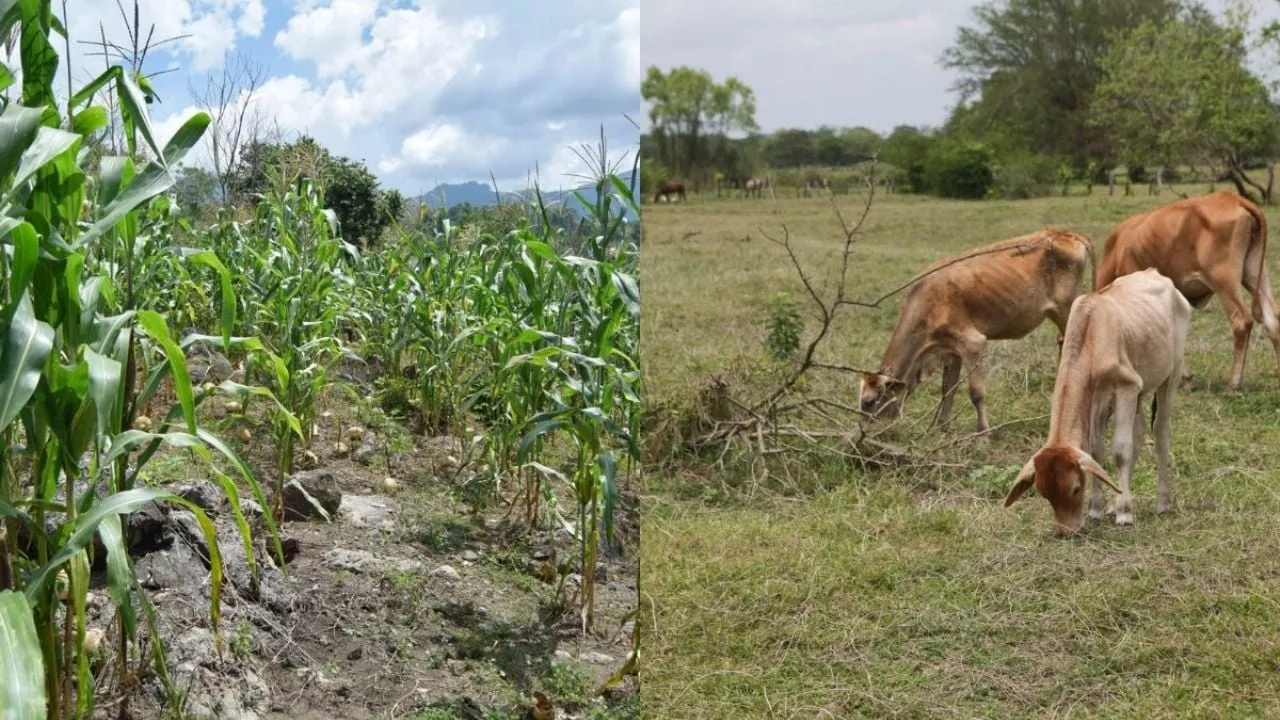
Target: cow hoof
[1124, 519]
[1164, 508]
[984, 438]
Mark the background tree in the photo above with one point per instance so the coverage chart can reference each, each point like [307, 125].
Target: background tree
[196, 190]
[1031, 66]
[350, 189]
[687, 106]
[229, 96]
[1179, 91]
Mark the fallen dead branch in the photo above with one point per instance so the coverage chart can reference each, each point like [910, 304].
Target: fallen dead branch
[775, 424]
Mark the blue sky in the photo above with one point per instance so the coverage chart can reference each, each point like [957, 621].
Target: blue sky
[423, 91]
[834, 62]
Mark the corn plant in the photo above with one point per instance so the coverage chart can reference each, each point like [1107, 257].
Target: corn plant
[295, 289]
[536, 343]
[69, 350]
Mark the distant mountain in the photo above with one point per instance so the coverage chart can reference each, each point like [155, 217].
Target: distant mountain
[478, 193]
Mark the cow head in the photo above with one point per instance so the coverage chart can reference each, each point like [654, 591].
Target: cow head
[879, 392]
[1060, 473]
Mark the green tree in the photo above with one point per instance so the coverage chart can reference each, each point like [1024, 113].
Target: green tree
[791, 147]
[1031, 67]
[350, 189]
[686, 107]
[196, 189]
[906, 148]
[1180, 92]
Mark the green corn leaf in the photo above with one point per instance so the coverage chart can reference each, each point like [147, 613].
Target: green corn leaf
[154, 326]
[22, 689]
[18, 126]
[26, 349]
[210, 260]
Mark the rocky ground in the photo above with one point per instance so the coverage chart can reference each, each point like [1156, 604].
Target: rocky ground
[402, 604]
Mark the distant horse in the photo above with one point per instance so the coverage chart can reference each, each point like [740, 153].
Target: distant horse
[753, 187]
[667, 189]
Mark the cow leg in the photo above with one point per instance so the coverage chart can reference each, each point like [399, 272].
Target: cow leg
[1098, 507]
[1241, 329]
[1164, 458]
[950, 381]
[1264, 304]
[974, 345]
[1128, 428]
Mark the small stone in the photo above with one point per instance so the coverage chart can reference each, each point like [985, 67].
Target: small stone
[356, 654]
[233, 406]
[143, 423]
[446, 572]
[322, 485]
[563, 656]
[355, 432]
[340, 449]
[244, 435]
[596, 658]
[470, 555]
[250, 508]
[541, 553]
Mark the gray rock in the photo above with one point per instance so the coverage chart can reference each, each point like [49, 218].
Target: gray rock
[366, 562]
[149, 529]
[447, 445]
[446, 572]
[368, 448]
[321, 485]
[188, 531]
[204, 495]
[596, 658]
[470, 555]
[176, 567]
[250, 508]
[365, 510]
[216, 689]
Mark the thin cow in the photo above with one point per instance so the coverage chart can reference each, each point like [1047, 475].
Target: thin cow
[1123, 343]
[1210, 245]
[1001, 291]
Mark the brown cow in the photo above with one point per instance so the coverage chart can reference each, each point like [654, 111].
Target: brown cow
[1001, 291]
[667, 189]
[1123, 343]
[1210, 245]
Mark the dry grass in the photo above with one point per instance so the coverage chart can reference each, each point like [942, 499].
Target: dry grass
[824, 591]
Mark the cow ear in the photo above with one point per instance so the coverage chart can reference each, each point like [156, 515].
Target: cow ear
[1022, 483]
[1089, 465]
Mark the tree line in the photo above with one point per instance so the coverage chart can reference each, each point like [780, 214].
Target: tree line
[1050, 93]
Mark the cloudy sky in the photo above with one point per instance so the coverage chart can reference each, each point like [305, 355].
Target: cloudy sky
[814, 62]
[424, 91]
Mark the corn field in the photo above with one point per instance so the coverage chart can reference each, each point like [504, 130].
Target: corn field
[524, 337]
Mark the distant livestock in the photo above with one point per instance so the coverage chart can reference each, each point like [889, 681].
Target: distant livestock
[667, 189]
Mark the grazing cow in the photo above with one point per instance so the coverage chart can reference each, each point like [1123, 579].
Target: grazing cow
[1123, 343]
[1210, 245]
[753, 187]
[1001, 291]
[667, 189]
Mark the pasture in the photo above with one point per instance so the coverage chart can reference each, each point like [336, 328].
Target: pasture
[826, 588]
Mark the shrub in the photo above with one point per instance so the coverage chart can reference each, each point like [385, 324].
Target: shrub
[1027, 176]
[959, 170]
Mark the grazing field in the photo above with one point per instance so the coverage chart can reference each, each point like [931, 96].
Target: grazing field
[824, 589]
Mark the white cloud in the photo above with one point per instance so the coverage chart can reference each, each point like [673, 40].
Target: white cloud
[443, 145]
[211, 28]
[331, 36]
